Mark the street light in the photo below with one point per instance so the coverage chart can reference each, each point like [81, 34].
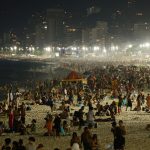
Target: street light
[147, 45]
[96, 48]
[15, 47]
[48, 49]
[104, 50]
[130, 46]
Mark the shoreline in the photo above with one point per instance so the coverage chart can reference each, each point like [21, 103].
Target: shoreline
[73, 59]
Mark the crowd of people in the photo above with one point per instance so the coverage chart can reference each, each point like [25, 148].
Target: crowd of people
[121, 85]
[19, 145]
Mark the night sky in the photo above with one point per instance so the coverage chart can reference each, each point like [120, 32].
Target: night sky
[15, 13]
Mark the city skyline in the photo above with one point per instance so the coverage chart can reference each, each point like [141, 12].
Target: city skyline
[88, 22]
[15, 13]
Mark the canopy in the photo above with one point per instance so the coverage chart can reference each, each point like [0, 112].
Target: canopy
[74, 77]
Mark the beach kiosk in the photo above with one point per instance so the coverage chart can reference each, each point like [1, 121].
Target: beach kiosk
[74, 77]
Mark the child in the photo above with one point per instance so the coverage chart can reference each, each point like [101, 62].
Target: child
[62, 131]
[49, 125]
[32, 126]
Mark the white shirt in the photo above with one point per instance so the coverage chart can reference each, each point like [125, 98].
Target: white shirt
[75, 146]
[90, 116]
[65, 91]
[31, 146]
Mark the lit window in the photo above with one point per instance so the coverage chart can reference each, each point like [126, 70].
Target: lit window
[139, 14]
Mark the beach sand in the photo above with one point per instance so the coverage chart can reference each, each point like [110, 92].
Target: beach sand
[137, 137]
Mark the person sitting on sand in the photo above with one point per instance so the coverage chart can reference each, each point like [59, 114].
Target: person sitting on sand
[62, 107]
[1, 127]
[32, 126]
[107, 109]
[147, 127]
[100, 109]
[14, 145]
[22, 128]
[20, 145]
[7, 146]
[40, 147]
[31, 144]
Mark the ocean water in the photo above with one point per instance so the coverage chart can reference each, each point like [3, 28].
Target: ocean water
[19, 71]
[12, 71]
[24, 74]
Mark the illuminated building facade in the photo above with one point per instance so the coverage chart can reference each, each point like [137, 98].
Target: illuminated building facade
[55, 26]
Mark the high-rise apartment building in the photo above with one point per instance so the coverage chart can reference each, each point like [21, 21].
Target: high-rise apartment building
[55, 27]
[142, 31]
[96, 35]
[73, 28]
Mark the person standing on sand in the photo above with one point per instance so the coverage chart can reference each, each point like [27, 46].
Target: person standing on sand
[129, 102]
[23, 112]
[17, 101]
[148, 101]
[75, 139]
[49, 125]
[11, 120]
[9, 97]
[50, 102]
[119, 140]
[80, 117]
[91, 117]
[122, 127]
[114, 125]
[57, 124]
[139, 102]
[65, 93]
[86, 138]
[94, 143]
[75, 146]
[119, 103]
